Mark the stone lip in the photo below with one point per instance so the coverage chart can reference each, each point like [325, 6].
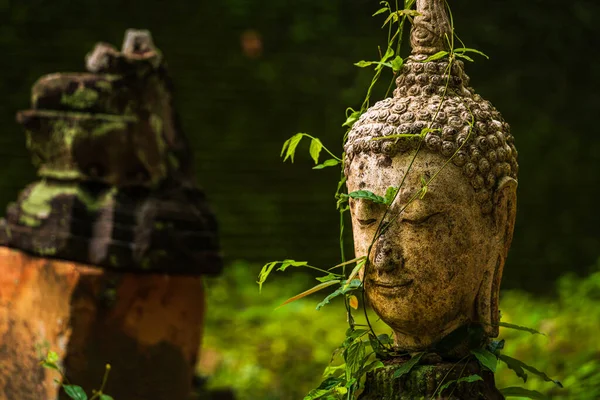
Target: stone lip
[126, 230]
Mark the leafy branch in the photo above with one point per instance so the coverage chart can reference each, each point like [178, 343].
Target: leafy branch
[73, 391]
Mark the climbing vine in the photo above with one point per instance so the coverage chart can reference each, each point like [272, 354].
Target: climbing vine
[76, 392]
[363, 350]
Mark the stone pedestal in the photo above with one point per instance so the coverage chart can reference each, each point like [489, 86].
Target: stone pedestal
[425, 382]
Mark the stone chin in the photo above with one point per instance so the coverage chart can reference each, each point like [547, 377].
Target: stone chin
[439, 264]
[418, 324]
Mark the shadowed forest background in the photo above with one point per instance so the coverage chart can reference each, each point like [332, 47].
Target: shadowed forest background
[249, 74]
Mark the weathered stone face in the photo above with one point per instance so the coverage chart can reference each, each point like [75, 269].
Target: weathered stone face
[439, 264]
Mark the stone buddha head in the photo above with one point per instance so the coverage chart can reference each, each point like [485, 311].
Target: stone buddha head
[434, 263]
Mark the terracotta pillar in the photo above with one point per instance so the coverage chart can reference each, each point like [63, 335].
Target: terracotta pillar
[102, 257]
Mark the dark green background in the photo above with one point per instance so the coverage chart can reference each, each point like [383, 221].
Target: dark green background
[237, 111]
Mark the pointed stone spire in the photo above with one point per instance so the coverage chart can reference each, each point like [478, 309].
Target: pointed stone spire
[430, 29]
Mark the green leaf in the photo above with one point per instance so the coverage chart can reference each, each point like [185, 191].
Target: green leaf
[393, 16]
[379, 64]
[384, 338]
[513, 363]
[328, 163]
[350, 382]
[363, 63]
[48, 365]
[289, 146]
[75, 392]
[436, 56]
[516, 391]
[407, 366]
[326, 387]
[341, 390]
[106, 397]
[291, 263]
[352, 335]
[469, 379]
[52, 357]
[380, 11]
[389, 53]
[333, 370]
[328, 277]
[353, 356]
[310, 291]
[355, 271]
[376, 346]
[268, 267]
[520, 328]
[367, 195]
[460, 55]
[315, 149]
[264, 273]
[352, 117]
[486, 358]
[340, 184]
[469, 50]
[372, 367]
[409, 12]
[342, 290]
[357, 259]
[390, 194]
[397, 63]
[516, 367]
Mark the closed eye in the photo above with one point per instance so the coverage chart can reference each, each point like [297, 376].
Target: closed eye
[422, 220]
[367, 222]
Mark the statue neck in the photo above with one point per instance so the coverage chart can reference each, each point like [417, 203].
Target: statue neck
[457, 340]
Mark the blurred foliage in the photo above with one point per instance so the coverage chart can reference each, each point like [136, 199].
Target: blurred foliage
[264, 352]
[570, 352]
[267, 353]
[251, 73]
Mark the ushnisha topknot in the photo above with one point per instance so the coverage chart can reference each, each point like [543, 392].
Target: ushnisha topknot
[431, 95]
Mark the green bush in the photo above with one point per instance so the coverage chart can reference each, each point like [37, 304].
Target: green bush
[263, 352]
[266, 353]
[571, 350]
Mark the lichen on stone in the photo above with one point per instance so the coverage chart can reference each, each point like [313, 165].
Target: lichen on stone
[81, 99]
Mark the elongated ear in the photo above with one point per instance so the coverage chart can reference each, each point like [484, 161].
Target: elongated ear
[505, 211]
[503, 218]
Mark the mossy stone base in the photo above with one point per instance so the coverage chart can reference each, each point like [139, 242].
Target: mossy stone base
[425, 381]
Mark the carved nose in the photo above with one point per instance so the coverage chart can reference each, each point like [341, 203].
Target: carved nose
[387, 256]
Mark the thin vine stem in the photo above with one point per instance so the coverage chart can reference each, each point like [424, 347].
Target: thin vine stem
[460, 375]
[448, 373]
